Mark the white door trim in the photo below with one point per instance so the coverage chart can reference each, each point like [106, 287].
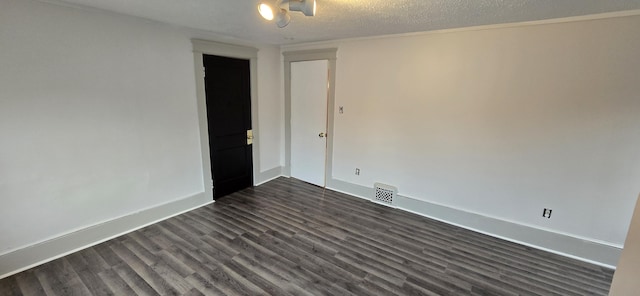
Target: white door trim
[201, 47]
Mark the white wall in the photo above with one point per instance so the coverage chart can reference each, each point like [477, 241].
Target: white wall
[501, 122]
[625, 279]
[270, 107]
[98, 118]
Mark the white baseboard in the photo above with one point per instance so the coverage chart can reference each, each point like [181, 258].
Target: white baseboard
[34, 255]
[558, 243]
[581, 249]
[268, 175]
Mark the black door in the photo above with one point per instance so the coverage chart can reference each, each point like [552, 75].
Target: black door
[228, 92]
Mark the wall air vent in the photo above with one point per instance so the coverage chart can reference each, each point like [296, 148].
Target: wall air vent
[384, 194]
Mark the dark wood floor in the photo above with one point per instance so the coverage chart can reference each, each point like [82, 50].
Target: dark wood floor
[287, 237]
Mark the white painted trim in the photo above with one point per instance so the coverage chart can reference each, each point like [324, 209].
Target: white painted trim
[201, 47]
[207, 178]
[269, 175]
[577, 237]
[350, 188]
[581, 18]
[36, 254]
[224, 49]
[583, 249]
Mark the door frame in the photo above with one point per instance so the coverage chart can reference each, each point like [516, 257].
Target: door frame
[201, 47]
[329, 54]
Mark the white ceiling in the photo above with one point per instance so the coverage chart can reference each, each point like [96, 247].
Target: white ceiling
[337, 19]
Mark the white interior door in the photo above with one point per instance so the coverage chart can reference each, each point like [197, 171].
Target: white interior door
[309, 120]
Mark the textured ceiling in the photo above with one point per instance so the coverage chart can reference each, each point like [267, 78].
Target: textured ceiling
[336, 19]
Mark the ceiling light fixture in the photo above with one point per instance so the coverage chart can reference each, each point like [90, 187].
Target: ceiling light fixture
[282, 18]
[307, 7]
[265, 11]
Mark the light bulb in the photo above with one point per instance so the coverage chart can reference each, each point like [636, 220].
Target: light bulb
[265, 11]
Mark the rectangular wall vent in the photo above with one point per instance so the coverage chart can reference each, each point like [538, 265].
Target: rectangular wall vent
[384, 194]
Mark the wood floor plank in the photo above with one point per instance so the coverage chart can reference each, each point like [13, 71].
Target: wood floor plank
[271, 274]
[58, 278]
[95, 262]
[204, 286]
[230, 231]
[104, 251]
[486, 281]
[88, 275]
[9, 286]
[306, 258]
[159, 235]
[220, 244]
[115, 283]
[171, 277]
[178, 266]
[253, 277]
[380, 286]
[177, 236]
[28, 283]
[508, 263]
[227, 283]
[190, 225]
[193, 292]
[287, 237]
[261, 219]
[319, 251]
[281, 265]
[133, 280]
[149, 275]
[140, 251]
[144, 241]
